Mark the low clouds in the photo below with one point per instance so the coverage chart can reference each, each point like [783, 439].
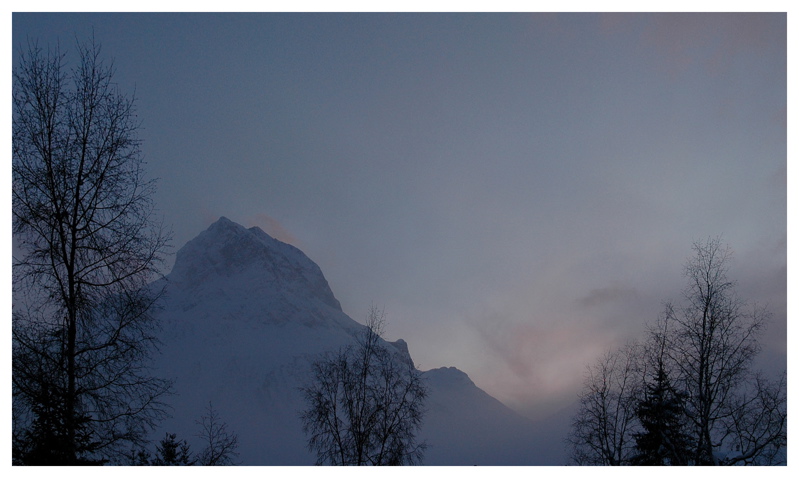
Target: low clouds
[541, 362]
[533, 358]
[274, 228]
[606, 295]
[267, 223]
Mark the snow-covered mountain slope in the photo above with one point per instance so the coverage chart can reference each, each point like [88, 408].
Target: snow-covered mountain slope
[244, 317]
[467, 426]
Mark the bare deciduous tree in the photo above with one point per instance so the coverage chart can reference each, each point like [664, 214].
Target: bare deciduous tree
[365, 404]
[727, 415]
[603, 429]
[736, 417]
[83, 225]
[221, 445]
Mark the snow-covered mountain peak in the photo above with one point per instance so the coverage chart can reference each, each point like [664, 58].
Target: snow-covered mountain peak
[247, 268]
[243, 319]
[450, 376]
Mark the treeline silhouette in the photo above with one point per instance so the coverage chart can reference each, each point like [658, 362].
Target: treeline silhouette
[686, 395]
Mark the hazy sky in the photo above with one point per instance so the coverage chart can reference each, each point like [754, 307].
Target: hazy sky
[518, 191]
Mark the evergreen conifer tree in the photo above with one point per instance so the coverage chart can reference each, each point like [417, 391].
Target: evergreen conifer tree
[661, 415]
[172, 452]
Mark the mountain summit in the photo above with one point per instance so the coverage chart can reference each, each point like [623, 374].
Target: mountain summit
[244, 317]
[233, 264]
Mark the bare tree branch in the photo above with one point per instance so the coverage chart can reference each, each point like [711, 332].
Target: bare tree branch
[83, 216]
[365, 404]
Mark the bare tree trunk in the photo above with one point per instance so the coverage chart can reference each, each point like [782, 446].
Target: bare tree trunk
[82, 213]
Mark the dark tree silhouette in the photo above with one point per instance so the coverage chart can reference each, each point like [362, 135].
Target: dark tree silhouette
[603, 430]
[702, 405]
[44, 442]
[221, 444]
[365, 404]
[736, 417]
[662, 438]
[88, 246]
[172, 452]
[661, 414]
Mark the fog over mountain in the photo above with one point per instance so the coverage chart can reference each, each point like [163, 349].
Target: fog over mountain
[244, 317]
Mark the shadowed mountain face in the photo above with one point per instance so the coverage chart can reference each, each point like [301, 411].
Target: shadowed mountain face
[244, 317]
